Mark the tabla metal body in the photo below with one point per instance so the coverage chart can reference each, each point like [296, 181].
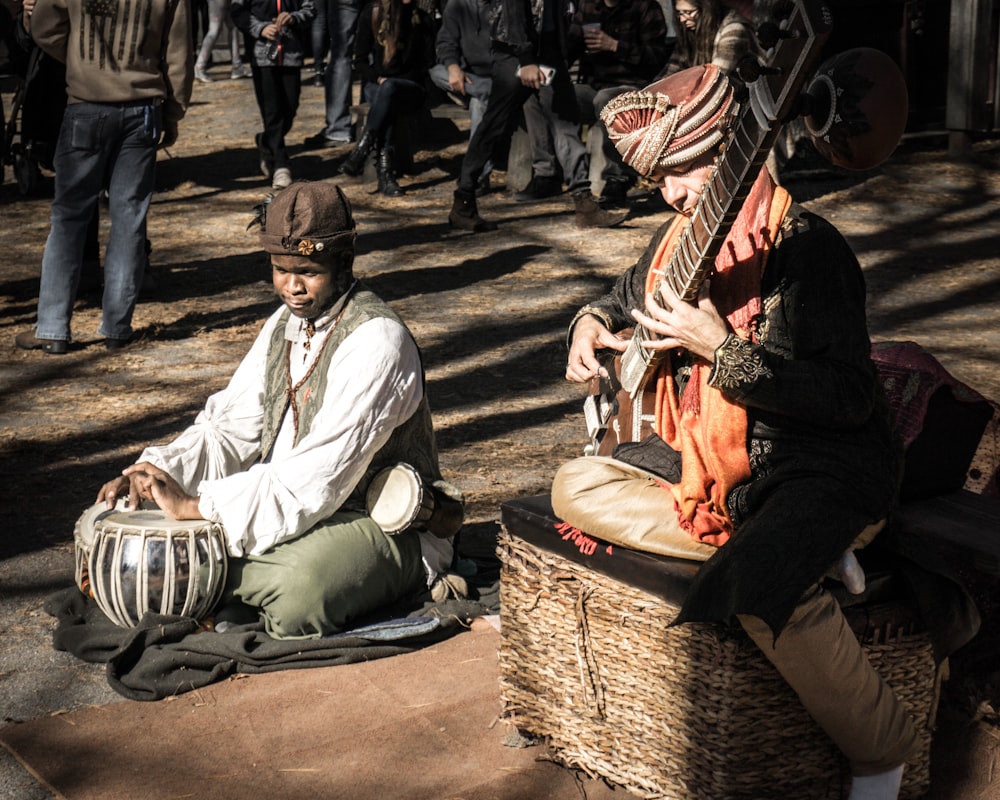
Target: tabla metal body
[137, 561]
[399, 500]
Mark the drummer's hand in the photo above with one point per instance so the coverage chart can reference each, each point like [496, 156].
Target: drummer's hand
[589, 336]
[113, 490]
[156, 485]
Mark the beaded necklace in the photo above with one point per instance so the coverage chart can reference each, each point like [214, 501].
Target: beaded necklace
[292, 389]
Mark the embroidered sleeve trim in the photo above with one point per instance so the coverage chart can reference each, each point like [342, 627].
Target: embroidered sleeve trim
[738, 364]
[603, 316]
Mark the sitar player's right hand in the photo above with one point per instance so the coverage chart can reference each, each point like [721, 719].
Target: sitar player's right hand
[589, 336]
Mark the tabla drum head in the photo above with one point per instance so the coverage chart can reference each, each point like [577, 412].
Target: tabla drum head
[858, 108]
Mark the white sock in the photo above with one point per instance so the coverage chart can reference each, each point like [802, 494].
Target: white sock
[850, 573]
[884, 786]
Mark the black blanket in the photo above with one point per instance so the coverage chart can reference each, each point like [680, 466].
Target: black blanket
[169, 655]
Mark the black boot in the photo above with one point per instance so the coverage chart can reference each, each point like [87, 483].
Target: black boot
[386, 171]
[465, 215]
[354, 164]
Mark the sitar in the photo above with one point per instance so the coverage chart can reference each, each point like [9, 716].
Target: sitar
[619, 408]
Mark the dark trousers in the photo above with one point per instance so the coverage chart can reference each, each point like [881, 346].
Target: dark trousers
[507, 96]
[277, 90]
[386, 101]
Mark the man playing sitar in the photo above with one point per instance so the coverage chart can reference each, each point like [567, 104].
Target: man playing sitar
[750, 432]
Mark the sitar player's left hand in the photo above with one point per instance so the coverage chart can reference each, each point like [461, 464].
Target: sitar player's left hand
[699, 329]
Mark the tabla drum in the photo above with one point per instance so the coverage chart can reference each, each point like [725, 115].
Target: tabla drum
[399, 500]
[132, 562]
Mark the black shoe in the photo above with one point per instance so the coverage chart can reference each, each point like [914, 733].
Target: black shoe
[539, 188]
[386, 172]
[317, 79]
[354, 164]
[318, 141]
[28, 341]
[120, 344]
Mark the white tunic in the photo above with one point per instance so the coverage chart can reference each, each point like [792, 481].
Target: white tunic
[374, 385]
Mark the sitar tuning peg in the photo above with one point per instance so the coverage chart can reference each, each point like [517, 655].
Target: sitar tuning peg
[749, 69]
[769, 34]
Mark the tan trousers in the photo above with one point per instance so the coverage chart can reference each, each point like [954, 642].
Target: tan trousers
[817, 653]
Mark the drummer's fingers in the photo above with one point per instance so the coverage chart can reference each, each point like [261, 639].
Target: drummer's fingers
[143, 468]
[138, 489]
[110, 491]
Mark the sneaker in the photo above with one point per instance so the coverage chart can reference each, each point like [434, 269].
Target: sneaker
[539, 188]
[28, 341]
[282, 178]
[201, 75]
[240, 71]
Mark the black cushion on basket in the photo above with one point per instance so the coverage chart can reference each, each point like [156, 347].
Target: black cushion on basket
[877, 610]
[533, 520]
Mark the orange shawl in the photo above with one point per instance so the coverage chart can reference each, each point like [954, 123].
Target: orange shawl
[708, 429]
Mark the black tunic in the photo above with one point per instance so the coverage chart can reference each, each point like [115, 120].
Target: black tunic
[824, 460]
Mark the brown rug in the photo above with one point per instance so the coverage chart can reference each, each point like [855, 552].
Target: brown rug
[422, 726]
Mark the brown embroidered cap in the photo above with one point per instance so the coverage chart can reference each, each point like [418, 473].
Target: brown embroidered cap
[673, 121]
[311, 219]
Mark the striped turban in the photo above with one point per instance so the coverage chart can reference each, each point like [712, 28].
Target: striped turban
[673, 121]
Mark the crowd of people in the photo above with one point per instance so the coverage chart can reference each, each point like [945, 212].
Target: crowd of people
[548, 68]
[772, 455]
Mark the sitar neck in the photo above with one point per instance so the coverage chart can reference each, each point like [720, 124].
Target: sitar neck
[717, 209]
[793, 44]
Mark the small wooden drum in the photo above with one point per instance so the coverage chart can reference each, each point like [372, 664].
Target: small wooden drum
[399, 500]
[132, 562]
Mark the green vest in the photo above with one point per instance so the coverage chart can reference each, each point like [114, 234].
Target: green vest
[412, 442]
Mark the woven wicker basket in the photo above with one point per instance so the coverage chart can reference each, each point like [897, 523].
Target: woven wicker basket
[589, 664]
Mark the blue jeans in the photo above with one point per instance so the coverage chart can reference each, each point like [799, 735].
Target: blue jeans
[477, 93]
[99, 141]
[341, 24]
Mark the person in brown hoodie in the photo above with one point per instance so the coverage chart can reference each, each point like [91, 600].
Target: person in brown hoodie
[129, 71]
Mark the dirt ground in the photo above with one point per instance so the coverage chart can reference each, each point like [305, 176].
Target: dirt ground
[488, 311]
